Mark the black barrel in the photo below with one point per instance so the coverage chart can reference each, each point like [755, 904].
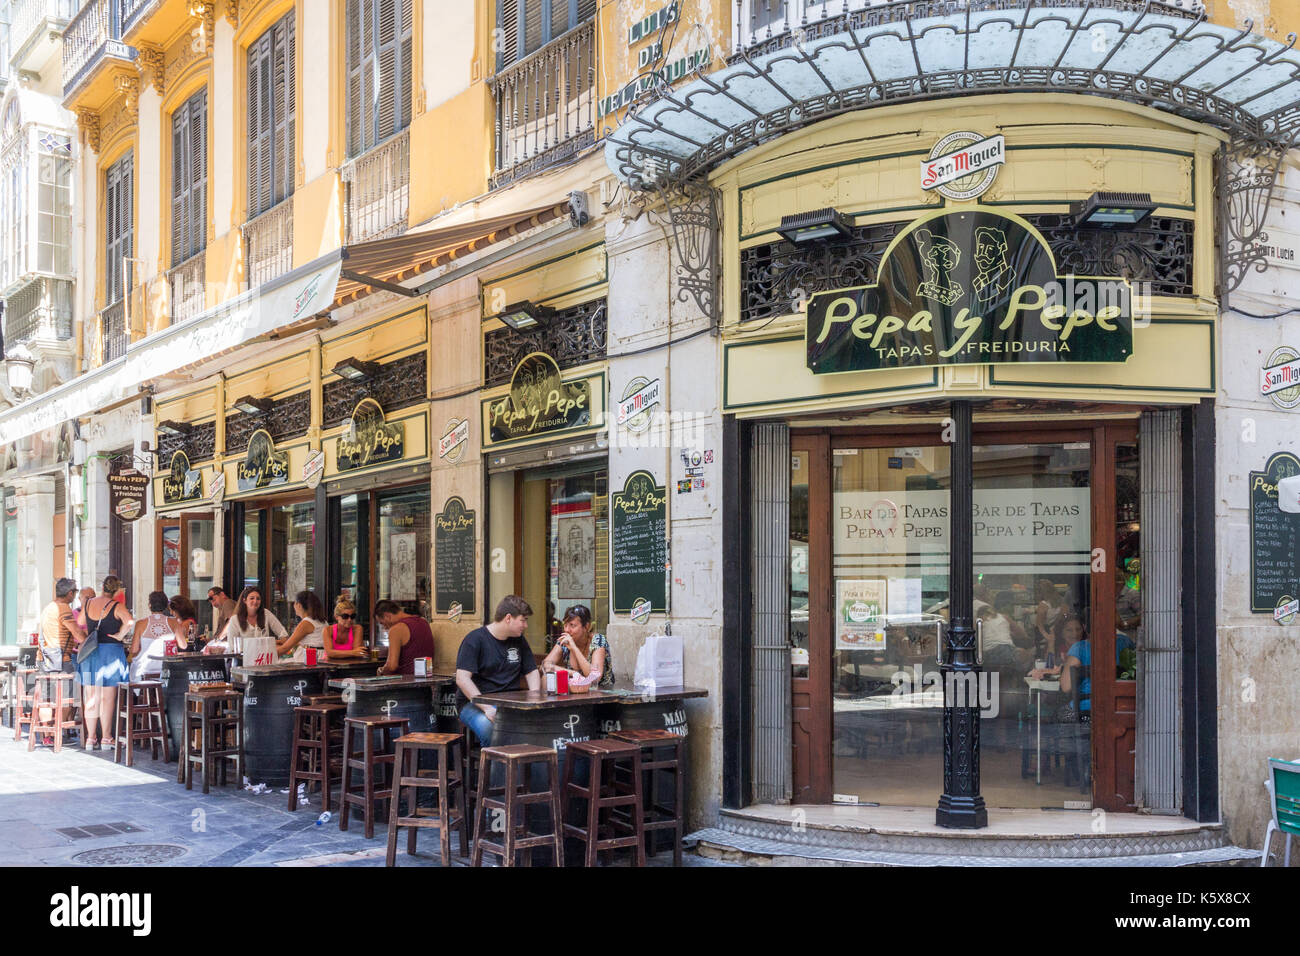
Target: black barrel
[270, 696]
[633, 713]
[446, 712]
[27, 655]
[414, 702]
[178, 672]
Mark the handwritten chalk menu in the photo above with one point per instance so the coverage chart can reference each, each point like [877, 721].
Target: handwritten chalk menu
[453, 557]
[637, 551]
[1274, 537]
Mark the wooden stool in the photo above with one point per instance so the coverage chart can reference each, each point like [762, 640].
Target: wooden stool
[367, 759]
[313, 699]
[214, 720]
[604, 791]
[517, 758]
[153, 726]
[24, 697]
[56, 689]
[472, 753]
[448, 780]
[311, 740]
[657, 816]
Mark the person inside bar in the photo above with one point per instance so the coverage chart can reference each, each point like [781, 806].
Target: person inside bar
[184, 611]
[409, 637]
[310, 631]
[223, 609]
[345, 638]
[251, 620]
[580, 650]
[491, 659]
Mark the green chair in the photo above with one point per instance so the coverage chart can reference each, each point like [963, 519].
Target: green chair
[1284, 794]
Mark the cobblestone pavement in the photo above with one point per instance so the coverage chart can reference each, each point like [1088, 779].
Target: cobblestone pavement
[79, 808]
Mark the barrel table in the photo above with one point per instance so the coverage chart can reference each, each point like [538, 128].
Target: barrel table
[178, 672]
[397, 696]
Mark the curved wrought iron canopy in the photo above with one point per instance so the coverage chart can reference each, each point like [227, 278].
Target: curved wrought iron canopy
[1149, 54]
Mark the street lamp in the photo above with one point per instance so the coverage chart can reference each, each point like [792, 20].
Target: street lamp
[19, 365]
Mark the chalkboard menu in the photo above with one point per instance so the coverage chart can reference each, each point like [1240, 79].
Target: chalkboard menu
[453, 557]
[1274, 538]
[638, 553]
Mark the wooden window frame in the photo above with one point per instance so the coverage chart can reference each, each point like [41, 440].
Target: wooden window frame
[189, 216]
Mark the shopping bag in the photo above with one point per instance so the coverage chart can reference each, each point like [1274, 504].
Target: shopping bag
[659, 662]
[259, 651]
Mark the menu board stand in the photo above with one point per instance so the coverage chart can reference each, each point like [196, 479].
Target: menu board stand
[1274, 538]
[453, 557]
[638, 552]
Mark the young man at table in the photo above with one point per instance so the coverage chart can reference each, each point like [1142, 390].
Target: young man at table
[409, 637]
[491, 659]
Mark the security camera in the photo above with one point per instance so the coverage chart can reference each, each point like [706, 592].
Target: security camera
[578, 214]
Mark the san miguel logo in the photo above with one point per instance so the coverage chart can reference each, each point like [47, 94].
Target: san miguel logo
[262, 466]
[963, 165]
[973, 287]
[305, 296]
[182, 483]
[539, 401]
[373, 440]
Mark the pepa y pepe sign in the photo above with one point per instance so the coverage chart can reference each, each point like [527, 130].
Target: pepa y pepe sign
[181, 483]
[539, 402]
[127, 488]
[973, 287]
[262, 466]
[372, 441]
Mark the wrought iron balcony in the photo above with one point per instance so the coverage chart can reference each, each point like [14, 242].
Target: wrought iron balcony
[34, 20]
[134, 10]
[378, 187]
[93, 36]
[546, 105]
[187, 282]
[40, 314]
[112, 322]
[268, 244]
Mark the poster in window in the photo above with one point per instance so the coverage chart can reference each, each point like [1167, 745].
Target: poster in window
[860, 615]
[576, 561]
[297, 573]
[401, 566]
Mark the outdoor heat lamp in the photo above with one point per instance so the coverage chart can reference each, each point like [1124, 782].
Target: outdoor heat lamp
[356, 369]
[813, 226]
[1288, 495]
[253, 406]
[525, 315]
[174, 428]
[1112, 210]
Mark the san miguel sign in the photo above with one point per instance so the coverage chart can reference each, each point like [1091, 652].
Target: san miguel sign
[541, 402]
[973, 287]
[373, 440]
[262, 466]
[182, 483]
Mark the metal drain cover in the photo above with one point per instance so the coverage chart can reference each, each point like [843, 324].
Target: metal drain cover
[141, 854]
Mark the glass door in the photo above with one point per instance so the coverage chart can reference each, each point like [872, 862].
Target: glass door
[404, 550]
[293, 557]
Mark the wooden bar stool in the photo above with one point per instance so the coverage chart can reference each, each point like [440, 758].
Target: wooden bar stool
[24, 697]
[513, 797]
[448, 779]
[140, 721]
[312, 725]
[214, 727]
[313, 699]
[54, 691]
[472, 754]
[368, 760]
[653, 743]
[604, 792]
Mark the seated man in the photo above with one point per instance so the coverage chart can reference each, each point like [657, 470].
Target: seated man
[491, 659]
[409, 637]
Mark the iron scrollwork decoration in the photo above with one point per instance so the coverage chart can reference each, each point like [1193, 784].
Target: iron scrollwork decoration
[199, 445]
[288, 418]
[1247, 175]
[573, 336]
[691, 210]
[398, 384]
[1157, 253]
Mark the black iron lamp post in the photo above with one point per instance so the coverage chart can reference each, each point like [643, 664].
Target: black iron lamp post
[961, 805]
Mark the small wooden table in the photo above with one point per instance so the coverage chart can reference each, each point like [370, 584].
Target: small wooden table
[414, 698]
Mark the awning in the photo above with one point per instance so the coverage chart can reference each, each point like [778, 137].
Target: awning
[386, 263]
[1153, 54]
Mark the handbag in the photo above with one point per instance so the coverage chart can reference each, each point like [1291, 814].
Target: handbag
[90, 644]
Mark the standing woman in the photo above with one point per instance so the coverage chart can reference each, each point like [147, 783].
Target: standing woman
[103, 667]
[185, 613]
[149, 641]
[345, 638]
[251, 620]
[310, 631]
[581, 650]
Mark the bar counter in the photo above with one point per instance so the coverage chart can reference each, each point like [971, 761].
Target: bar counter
[180, 670]
[554, 720]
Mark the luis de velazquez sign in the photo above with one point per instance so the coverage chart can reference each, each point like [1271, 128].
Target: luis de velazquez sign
[542, 402]
[973, 287]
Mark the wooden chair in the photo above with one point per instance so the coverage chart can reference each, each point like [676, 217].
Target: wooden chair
[214, 727]
[310, 759]
[662, 753]
[449, 782]
[55, 691]
[24, 697]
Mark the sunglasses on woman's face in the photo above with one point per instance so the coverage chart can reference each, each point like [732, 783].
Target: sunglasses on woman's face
[347, 615]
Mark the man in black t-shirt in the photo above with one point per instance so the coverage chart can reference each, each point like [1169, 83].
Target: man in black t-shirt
[491, 659]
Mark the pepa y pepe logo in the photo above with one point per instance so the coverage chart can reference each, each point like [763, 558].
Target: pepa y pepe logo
[373, 440]
[454, 517]
[540, 401]
[182, 483]
[262, 466]
[974, 287]
[640, 494]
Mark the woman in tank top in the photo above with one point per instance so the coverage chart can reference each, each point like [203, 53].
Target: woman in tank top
[344, 638]
[149, 640]
[102, 669]
[310, 631]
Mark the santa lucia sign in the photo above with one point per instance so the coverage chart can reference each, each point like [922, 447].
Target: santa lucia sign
[973, 287]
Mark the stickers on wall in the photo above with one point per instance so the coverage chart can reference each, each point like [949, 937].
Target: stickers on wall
[454, 612]
[217, 488]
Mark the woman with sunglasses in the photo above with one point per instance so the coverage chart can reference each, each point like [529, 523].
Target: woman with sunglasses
[344, 638]
[582, 651]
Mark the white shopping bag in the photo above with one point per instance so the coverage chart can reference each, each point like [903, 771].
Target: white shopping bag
[259, 651]
[659, 662]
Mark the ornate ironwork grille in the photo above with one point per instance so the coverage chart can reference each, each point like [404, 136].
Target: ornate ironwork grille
[199, 445]
[573, 337]
[289, 417]
[399, 384]
[1159, 252]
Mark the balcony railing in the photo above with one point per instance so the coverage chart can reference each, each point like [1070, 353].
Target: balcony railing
[112, 321]
[187, 284]
[132, 10]
[94, 33]
[378, 185]
[30, 16]
[268, 244]
[758, 21]
[546, 105]
[39, 312]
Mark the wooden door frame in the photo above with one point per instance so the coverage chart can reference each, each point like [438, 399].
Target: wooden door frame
[817, 686]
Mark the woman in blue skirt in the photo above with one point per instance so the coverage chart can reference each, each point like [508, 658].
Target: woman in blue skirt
[101, 670]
